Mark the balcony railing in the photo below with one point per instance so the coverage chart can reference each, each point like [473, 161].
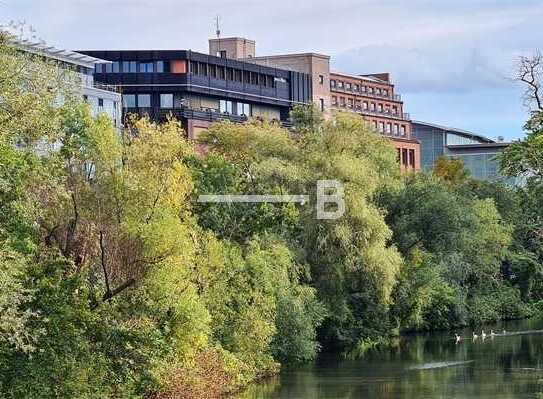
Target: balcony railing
[404, 116]
[395, 97]
[207, 114]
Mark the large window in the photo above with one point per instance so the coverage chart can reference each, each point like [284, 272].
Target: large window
[244, 109]
[98, 68]
[193, 67]
[166, 101]
[225, 106]
[115, 67]
[237, 75]
[144, 100]
[146, 67]
[129, 101]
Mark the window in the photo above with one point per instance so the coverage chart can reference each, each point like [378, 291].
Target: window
[129, 100]
[340, 85]
[402, 130]
[365, 105]
[385, 92]
[389, 128]
[144, 100]
[109, 68]
[381, 127]
[160, 66]
[375, 125]
[334, 100]
[225, 106]
[221, 73]
[126, 66]
[98, 68]
[342, 101]
[193, 65]
[246, 77]
[254, 78]
[85, 98]
[166, 101]
[357, 104]
[396, 129]
[212, 71]
[244, 109]
[332, 84]
[363, 89]
[202, 69]
[370, 90]
[394, 110]
[378, 91]
[348, 86]
[237, 75]
[350, 102]
[146, 67]
[404, 156]
[321, 79]
[222, 54]
[321, 100]
[229, 74]
[412, 158]
[271, 81]
[356, 88]
[115, 67]
[101, 102]
[262, 80]
[380, 107]
[372, 106]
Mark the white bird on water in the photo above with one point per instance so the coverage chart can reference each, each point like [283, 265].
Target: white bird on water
[475, 336]
[483, 335]
[492, 334]
[457, 337]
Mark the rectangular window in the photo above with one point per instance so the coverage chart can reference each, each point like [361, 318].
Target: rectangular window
[389, 128]
[262, 80]
[363, 89]
[321, 79]
[342, 101]
[271, 81]
[160, 66]
[146, 67]
[101, 102]
[254, 78]
[385, 92]
[350, 102]
[394, 110]
[365, 105]
[193, 65]
[246, 77]
[334, 101]
[221, 73]
[225, 106]
[372, 106]
[222, 54]
[229, 74]
[144, 101]
[238, 75]
[380, 108]
[126, 67]
[166, 101]
[404, 156]
[133, 67]
[212, 71]
[347, 86]
[109, 68]
[356, 88]
[381, 127]
[115, 67]
[332, 83]
[340, 85]
[396, 129]
[129, 101]
[357, 104]
[402, 130]
[412, 158]
[370, 90]
[98, 68]
[322, 104]
[243, 109]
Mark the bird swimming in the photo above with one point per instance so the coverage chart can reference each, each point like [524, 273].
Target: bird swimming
[492, 333]
[475, 336]
[457, 337]
[483, 335]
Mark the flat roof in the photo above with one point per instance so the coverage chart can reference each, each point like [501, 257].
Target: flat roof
[480, 145]
[456, 130]
[290, 55]
[362, 77]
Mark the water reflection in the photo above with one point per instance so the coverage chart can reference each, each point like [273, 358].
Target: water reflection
[425, 366]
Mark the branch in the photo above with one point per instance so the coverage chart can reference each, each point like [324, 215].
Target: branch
[103, 261]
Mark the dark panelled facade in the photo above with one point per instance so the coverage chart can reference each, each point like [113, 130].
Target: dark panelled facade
[200, 87]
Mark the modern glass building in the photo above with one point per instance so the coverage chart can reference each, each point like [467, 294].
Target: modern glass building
[478, 152]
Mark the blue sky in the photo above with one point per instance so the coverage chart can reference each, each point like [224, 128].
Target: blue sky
[451, 60]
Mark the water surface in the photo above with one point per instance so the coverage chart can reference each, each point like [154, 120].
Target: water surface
[433, 366]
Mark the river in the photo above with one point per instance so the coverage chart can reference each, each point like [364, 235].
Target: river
[433, 366]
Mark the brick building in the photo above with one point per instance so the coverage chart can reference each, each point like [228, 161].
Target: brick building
[373, 97]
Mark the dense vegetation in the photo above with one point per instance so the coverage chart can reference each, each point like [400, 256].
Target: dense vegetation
[116, 282]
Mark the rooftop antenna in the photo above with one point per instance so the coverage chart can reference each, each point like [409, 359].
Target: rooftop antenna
[218, 33]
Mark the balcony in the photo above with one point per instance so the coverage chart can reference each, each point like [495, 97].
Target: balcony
[208, 114]
[393, 97]
[383, 114]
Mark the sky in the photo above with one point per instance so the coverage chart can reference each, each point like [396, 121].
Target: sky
[451, 60]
